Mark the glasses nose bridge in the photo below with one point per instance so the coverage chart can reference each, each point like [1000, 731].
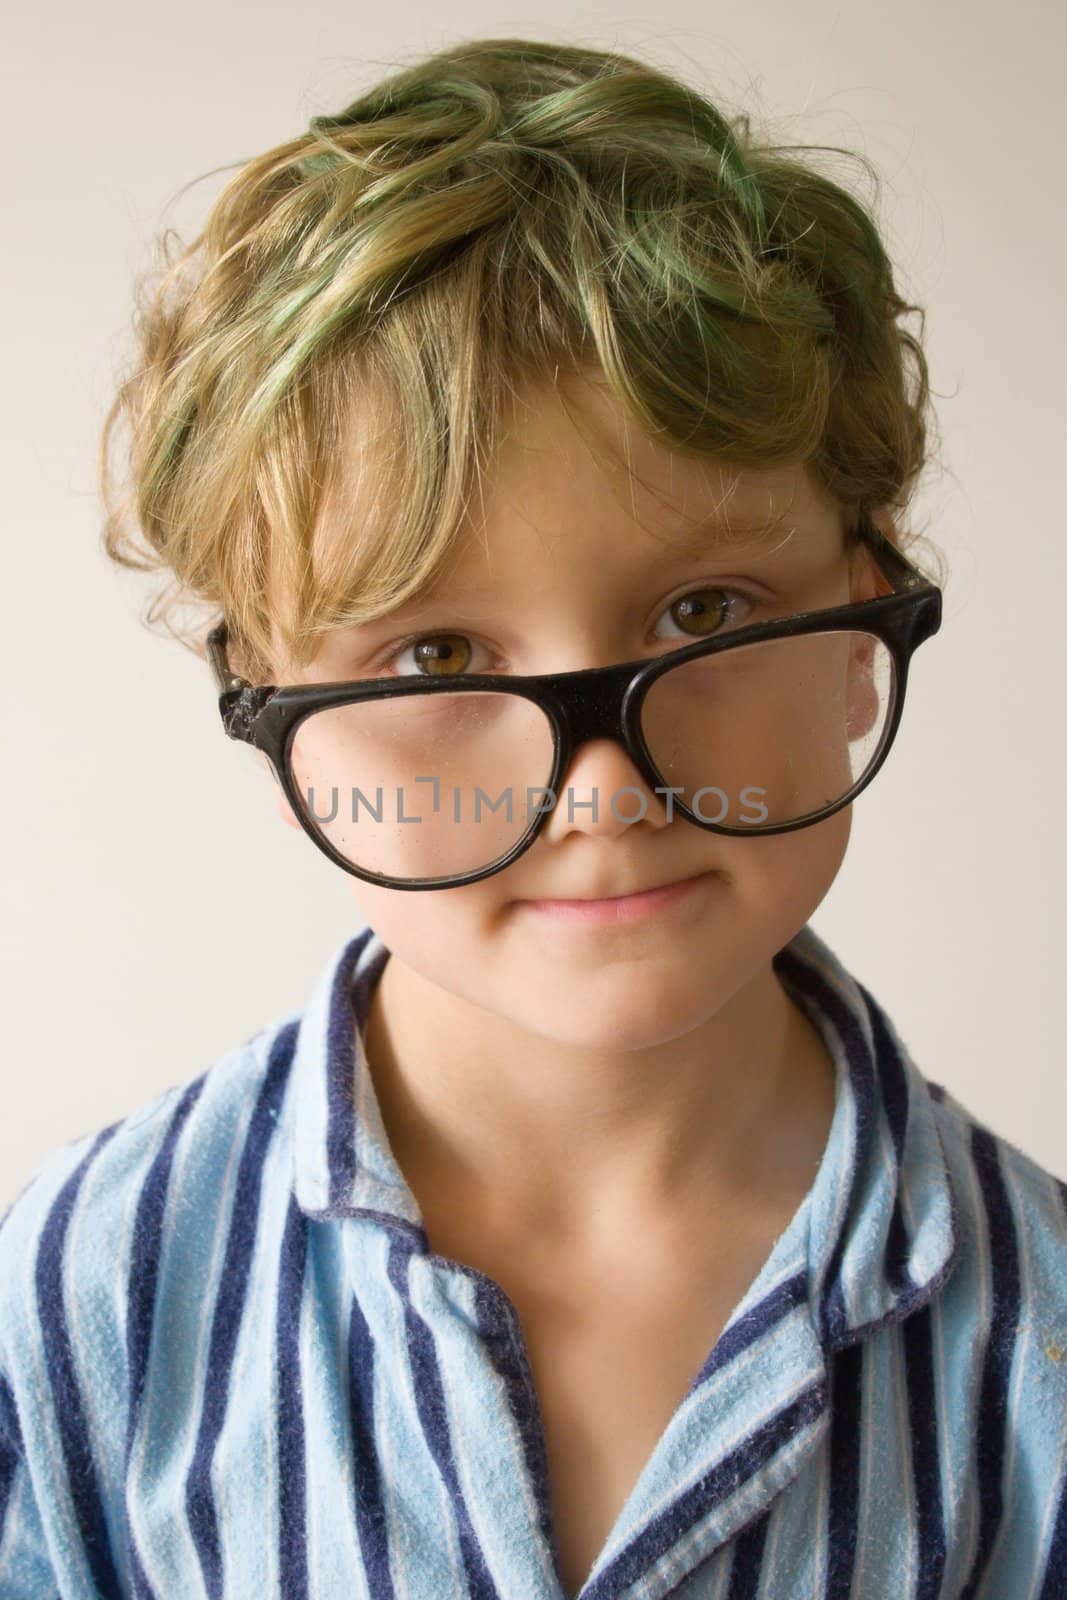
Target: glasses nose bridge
[592, 707]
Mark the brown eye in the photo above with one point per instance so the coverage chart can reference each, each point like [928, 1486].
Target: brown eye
[436, 655]
[704, 611]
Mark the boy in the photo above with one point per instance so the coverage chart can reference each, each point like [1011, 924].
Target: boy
[590, 1229]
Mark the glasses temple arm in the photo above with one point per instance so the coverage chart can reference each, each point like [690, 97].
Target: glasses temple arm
[895, 565]
[225, 680]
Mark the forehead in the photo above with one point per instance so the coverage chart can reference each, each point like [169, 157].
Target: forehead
[575, 484]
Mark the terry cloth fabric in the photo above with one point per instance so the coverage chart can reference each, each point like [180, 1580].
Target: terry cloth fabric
[230, 1366]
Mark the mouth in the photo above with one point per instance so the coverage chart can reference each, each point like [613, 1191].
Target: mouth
[622, 907]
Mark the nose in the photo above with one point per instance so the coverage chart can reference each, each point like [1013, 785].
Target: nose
[602, 793]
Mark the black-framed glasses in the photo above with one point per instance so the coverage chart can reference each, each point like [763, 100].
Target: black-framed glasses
[428, 783]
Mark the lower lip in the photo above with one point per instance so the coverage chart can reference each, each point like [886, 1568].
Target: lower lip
[625, 908]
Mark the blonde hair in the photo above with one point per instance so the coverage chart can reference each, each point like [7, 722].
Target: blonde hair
[375, 289]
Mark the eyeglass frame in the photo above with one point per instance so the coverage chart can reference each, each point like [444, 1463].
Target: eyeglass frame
[590, 702]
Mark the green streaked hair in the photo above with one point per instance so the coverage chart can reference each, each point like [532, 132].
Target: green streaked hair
[381, 285]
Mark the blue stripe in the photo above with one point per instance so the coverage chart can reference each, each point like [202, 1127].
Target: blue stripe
[81, 1470]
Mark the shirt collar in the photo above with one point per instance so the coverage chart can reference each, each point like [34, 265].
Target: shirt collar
[878, 1228]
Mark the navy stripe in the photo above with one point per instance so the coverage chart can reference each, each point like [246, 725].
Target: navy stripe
[10, 1427]
[724, 1478]
[429, 1399]
[144, 1257]
[992, 1419]
[368, 1492]
[139, 1579]
[341, 1070]
[1054, 1579]
[893, 1089]
[292, 1455]
[141, 1295]
[747, 1568]
[805, 980]
[10, 1447]
[754, 1324]
[917, 1333]
[846, 1438]
[1054, 1582]
[141, 1289]
[505, 1345]
[226, 1319]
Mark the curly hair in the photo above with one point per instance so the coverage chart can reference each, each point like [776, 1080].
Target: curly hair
[499, 211]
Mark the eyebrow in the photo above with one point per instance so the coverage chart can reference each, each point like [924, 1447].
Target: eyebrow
[677, 548]
[709, 533]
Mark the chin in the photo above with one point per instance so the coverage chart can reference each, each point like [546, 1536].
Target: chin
[625, 1005]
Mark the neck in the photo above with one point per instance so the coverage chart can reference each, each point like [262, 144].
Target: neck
[525, 1131]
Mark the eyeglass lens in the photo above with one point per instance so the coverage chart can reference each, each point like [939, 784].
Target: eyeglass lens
[439, 785]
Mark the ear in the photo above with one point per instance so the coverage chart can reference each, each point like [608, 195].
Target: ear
[862, 702]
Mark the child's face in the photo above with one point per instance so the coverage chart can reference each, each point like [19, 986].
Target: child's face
[563, 577]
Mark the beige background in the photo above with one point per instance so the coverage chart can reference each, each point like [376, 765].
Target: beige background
[155, 910]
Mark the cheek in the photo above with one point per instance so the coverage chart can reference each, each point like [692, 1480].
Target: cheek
[446, 936]
[783, 877]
